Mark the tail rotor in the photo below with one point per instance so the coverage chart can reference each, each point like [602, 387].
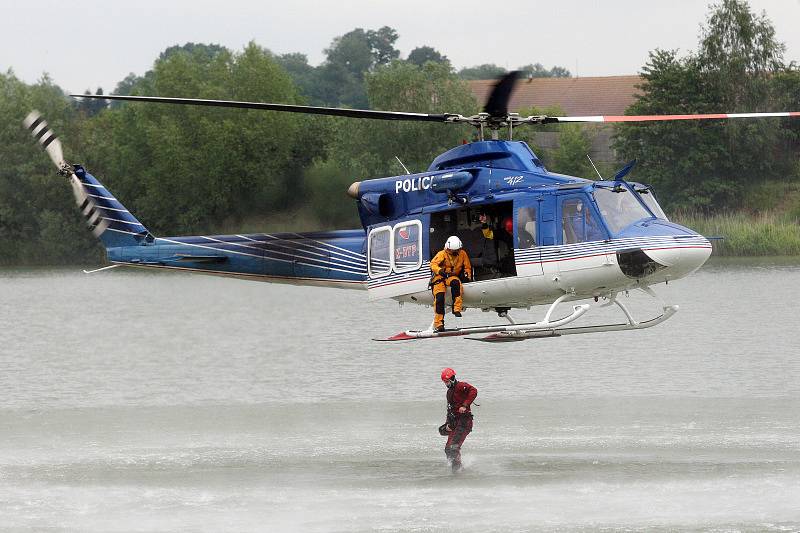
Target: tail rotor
[41, 131]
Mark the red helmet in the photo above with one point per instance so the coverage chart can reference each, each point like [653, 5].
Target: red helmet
[508, 225]
[448, 374]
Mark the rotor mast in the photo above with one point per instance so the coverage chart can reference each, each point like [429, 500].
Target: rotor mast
[484, 121]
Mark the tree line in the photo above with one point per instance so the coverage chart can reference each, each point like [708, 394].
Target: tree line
[184, 169]
[202, 170]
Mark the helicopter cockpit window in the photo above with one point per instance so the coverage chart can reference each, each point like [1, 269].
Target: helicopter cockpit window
[379, 252]
[649, 199]
[578, 223]
[619, 207]
[526, 227]
[407, 246]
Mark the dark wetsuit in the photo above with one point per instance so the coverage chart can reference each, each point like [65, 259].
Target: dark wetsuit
[462, 394]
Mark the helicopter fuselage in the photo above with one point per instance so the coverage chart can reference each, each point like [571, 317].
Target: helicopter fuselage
[551, 235]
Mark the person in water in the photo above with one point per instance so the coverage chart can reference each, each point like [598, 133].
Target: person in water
[460, 396]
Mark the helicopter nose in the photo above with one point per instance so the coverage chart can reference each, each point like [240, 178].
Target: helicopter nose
[668, 251]
[682, 257]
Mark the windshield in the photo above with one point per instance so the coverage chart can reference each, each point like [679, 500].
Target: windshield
[619, 207]
[649, 199]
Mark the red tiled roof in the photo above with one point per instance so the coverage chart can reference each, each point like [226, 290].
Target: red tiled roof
[607, 95]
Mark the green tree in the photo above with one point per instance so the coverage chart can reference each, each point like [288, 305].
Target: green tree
[191, 169]
[381, 43]
[206, 52]
[422, 54]
[90, 106]
[559, 72]
[326, 182]
[135, 84]
[303, 75]
[487, 71]
[708, 165]
[739, 53]
[340, 79]
[537, 70]
[785, 87]
[126, 86]
[574, 144]
[681, 160]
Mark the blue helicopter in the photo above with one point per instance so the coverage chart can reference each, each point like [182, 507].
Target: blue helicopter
[558, 238]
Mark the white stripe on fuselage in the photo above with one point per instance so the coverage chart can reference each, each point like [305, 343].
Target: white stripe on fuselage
[263, 258]
[358, 269]
[287, 244]
[569, 252]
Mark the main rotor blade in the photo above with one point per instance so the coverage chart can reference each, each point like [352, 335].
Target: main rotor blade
[651, 118]
[497, 104]
[334, 111]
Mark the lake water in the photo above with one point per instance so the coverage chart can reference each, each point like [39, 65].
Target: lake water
[138, 401]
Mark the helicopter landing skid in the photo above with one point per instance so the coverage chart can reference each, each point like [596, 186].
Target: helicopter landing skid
[545, 328]
[511, 336]
[510, 329]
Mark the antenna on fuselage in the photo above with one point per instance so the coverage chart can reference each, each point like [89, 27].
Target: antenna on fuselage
[594, 167]
[402, 165]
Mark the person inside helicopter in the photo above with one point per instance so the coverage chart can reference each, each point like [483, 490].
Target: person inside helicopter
[484, 256]
[619, 206]
[505, 245]
[505, 232]
[526, 227]
[578, 224]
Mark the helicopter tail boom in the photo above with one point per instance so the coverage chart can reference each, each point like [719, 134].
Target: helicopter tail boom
[105, 216]
[322, 259]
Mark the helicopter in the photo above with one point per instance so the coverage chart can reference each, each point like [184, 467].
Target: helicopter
[560, 238]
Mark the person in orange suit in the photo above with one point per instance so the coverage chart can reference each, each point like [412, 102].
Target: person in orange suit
[450, 268]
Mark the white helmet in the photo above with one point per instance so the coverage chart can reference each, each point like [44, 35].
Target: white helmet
[453, 243]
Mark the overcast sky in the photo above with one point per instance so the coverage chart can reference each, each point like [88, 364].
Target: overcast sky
[85, 44]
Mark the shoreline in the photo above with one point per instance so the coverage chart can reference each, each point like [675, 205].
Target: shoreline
[744, 235]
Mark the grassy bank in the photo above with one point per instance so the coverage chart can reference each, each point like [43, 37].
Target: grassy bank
[767, 234]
